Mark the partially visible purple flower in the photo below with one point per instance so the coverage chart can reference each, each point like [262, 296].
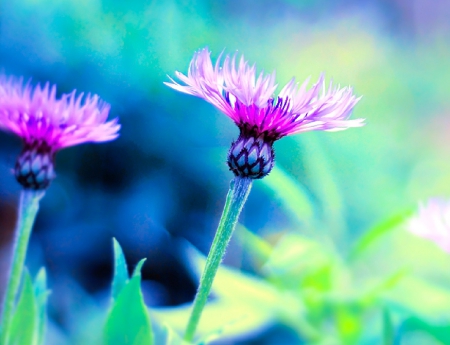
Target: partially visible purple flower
[262, 118]
[47, 124]
[433, 222]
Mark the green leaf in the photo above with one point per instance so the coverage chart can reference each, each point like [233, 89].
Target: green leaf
[120, 270]
[417, 331]
[128, 322]
[138, 268]
[293, 195]
[24, 326]
[259, 248]
[388, 328]
[244, 303]
[295, 257]
[404, 298]
[325, 185]
[378, 231]
[381, 287]
[167, 336]
[41, 294]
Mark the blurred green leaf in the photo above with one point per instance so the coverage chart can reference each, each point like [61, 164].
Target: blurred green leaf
[417, 329]
[41, 294]
[377, 232]
[293, 195]
[382, 285]
[24, 326]
[348, 323]
[388, 328]
[420, 298]
[227, 318]
[294, 257]
[172, 338]
[166, 335]
[259, 248]
[317, 162]
[246, 303]
[128, 322]
[120, 270]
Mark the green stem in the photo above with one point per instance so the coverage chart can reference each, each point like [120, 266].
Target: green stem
[237, 195]
[28, 208]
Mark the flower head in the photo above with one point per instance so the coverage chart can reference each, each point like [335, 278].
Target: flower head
[47, 124]
[248, 99]
[433, 222]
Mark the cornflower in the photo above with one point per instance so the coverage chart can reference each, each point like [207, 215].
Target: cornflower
[262, 118]
[46, 124]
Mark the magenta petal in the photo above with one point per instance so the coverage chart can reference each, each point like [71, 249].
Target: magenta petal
[249, 100]
[37, 115]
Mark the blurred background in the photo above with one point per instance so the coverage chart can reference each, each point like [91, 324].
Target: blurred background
[165, 178]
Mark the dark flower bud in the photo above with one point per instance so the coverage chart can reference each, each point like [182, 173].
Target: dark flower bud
[34, 166]
[250, 156]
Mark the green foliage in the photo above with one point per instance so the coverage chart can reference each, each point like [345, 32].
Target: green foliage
[166, 336]
[41, 295]
[24, 327]
[370, 237]
[337, 304]
[128, 321]
[294, 197]
[436, 333]
[388, 328]
[29, 319]
[120, 278]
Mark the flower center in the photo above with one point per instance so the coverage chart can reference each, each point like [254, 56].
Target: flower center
[34, 166]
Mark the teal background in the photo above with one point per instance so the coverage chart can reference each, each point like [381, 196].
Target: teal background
[165, 178]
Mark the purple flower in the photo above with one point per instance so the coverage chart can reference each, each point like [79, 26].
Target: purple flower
[47, 124]
[433, 222]
[262, 118]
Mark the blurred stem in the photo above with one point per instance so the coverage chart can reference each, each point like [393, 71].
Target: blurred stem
[28, 208]
[237, 195]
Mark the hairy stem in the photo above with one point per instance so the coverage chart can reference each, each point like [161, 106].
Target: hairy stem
[28, 208]
[237, 195]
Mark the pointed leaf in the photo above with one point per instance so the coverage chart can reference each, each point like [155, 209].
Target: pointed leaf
[25, 320]
[41, 294]
[120, 270]
[138, 268]
[128, 322]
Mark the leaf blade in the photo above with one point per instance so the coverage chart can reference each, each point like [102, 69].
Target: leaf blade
[41, 294]
[24, 323]
[128, 322]
[120, 278]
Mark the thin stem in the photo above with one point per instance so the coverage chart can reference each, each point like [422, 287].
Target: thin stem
[237, 195]
[28, 208]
